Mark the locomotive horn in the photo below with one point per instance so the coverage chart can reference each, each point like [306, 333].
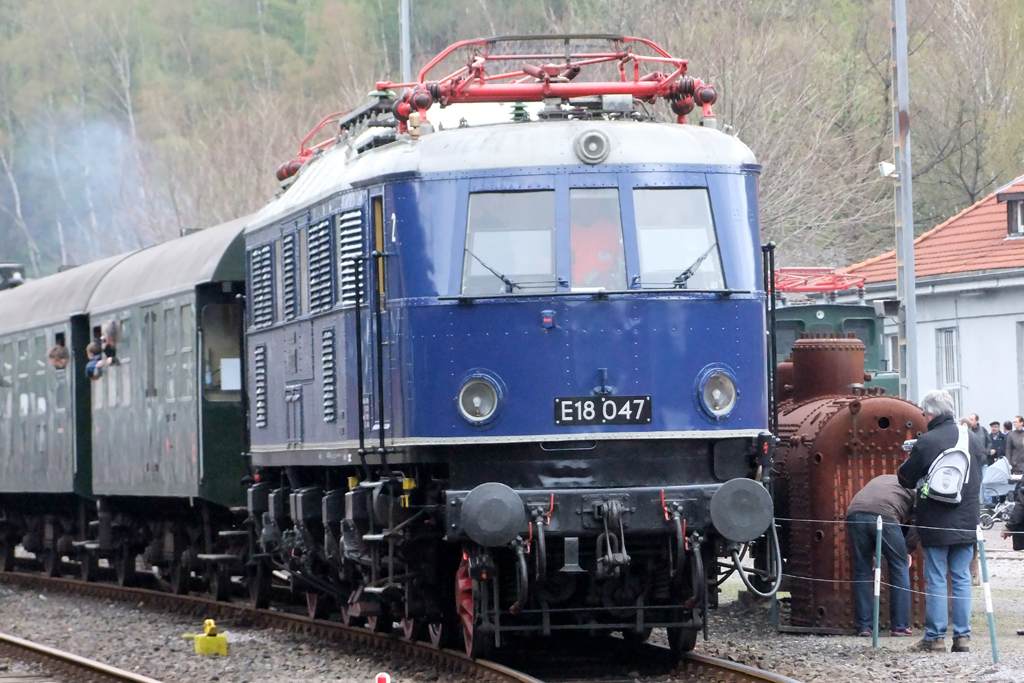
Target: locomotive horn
[741, 510]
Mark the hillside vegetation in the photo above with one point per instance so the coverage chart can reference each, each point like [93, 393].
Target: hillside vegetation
[124, 122]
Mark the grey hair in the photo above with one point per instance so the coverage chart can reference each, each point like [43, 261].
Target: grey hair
[937, 403]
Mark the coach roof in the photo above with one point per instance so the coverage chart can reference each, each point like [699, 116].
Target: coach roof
[212, 255]
[52, 299]
[504, 146]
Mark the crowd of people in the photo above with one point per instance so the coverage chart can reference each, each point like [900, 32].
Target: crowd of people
[933, 500]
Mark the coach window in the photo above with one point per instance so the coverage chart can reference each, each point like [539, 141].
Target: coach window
[222, 360]
[7, 378]
[124, 358]
[678, 244]
[40, 363]
[188, 336]
[170, 350]
[595, 240]
[510, 243]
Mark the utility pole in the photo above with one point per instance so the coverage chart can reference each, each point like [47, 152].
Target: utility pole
[906, 290]
[406, 55]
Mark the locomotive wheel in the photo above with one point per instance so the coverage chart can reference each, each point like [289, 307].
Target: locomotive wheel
[124, 565]
[51, 563]
[682, 640]
[347, 617]
[634, 639]
[439, 634]
[218, 583]
[318, 606]
[259, 586]
[467, 603]
[381, 623]
[6, 554]
[413, 629]
[87, 567]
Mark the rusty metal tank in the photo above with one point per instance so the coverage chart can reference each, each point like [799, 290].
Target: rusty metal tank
[835, 436]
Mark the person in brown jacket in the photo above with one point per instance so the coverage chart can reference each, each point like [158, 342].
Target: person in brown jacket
[883, 497]
[1015, 446]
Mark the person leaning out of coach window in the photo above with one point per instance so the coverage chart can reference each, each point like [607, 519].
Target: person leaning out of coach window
[882, 497]
[947, 530]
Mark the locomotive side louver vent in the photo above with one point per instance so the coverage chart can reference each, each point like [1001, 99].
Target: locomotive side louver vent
[350, 248]
[289, 268]
[321, 284]
[330, 385]
[261, 274]
[260, 374]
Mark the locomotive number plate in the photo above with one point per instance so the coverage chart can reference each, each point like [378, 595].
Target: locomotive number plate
[603, 410]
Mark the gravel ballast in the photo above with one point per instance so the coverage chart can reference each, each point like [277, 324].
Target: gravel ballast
[150, 642]
[746, 636]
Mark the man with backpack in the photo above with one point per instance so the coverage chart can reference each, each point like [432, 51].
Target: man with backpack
[945, 468]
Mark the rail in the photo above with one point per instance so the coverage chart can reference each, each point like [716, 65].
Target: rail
[60, 662]
[698, 667]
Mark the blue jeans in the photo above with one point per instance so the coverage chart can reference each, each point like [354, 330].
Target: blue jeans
[860, 529]
[957, 560]
[985, 500]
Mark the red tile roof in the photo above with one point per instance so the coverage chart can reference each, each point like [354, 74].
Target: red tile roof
[973, 240]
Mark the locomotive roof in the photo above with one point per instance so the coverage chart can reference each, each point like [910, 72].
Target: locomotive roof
[211, 255]
[503, 146]
[52, 299]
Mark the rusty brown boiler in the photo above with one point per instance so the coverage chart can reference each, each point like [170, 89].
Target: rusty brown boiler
[835, 436]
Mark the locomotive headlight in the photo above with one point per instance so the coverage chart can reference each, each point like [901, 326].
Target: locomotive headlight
[716, 391]
[478, 400]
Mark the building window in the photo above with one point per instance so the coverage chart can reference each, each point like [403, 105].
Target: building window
[893, 345]
[1015, 218]
[947, 362]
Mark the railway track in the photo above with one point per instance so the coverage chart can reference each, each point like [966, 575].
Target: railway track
[65, 665]
[549, 667]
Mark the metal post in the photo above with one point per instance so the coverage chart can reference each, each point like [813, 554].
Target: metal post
[406, 52]
[905, 289]
[878, 579]
[988, 596]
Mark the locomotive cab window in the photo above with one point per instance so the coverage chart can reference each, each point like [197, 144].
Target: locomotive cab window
[221, 352]
[510, 243]
[595, 240]
[678, 244]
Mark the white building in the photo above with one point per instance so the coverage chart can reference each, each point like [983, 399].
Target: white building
[970, 305]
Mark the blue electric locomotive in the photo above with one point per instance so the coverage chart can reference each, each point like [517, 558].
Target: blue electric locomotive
[511, 378]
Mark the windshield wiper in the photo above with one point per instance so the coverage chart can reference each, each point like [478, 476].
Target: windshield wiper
[680, 281]
[509, 285]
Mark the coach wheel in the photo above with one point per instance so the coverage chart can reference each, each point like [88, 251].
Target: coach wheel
[259, 585]
[124, 565]
[318, 606]
[87, 567]
[180, 577]
[51, 563]
[218, 582]
[467, 603]
[6, 555]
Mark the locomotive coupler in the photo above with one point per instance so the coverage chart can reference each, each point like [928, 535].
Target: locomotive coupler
[611, 546]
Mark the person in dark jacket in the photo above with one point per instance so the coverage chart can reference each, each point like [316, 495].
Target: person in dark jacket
[998, 443]
[881, 497]
[974, 424]
[1015, 446]
[948, 531]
